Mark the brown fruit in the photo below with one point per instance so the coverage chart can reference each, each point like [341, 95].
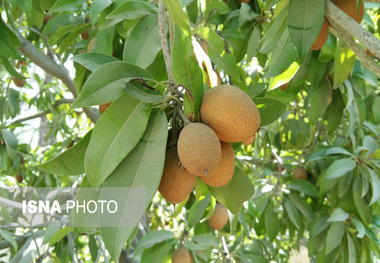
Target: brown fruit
[219, 218]
[176, 183]
[182, 255]
[218, 79]
[47, 18]
[18, 177]
[103, 107]
[199, 149]
[349, 7]
[300, 173]
[85, 35]
[283, 87]
[322, 37]
[249, 141]
[90, 45]
[204, 46]
[223, 173]
[244, 1]
[19, 82]
[231, 113]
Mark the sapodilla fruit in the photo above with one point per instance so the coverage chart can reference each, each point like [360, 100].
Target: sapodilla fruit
[176, 183]
[231, 113]
[249, 141]
[300, 173]
[219, 218]
[349, 7]
[199, 149]
[322, 37]
[223, 173]
[182, 255]
[103, 107]
[19, 82]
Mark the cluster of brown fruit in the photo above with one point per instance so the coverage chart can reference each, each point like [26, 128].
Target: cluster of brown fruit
[350, 8]
[204, 149]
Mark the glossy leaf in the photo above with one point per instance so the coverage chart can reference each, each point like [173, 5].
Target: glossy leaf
[152, 238]
[338, 215]
[320, 98]
[270, 109]
[235, 193]
[143, 44]
[115, 134]
[375, 183]
[143, 167]
[107, 83]
[304, 187]
[305, 19]
[137, 90]
[197, 210]
[132, 10]
[302, 206]
[66, 5]
[177, 15]
[334, 236]
[70, 162]
[271, 222]
[292, 213]
[339, 168]
[361, 205]
[92, 60]
[344, 62]
[185, 69]
[274, 33]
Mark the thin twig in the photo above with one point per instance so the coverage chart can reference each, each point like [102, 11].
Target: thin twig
[102, 248]
[183, 117]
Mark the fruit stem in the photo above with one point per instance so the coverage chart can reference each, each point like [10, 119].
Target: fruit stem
[206, 172]
[183, 116]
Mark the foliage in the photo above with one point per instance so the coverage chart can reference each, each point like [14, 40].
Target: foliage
[319, 110]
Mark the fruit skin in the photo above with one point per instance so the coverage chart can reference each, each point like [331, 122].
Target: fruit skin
[199, 149]
[219, 218]
[85, 35]
[223, 173]
[176, 183]
[244, 1]
[103, 107]
[231, 113]
[182, 255]
[249, 141]
[322, 37]
[283, 87]
[19, 82]
[18, 177]
[300, 173]
[349, 7]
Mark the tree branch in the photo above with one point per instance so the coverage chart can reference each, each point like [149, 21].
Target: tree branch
[372, 1]
[41, 114]
[339, 18]
[50, 67]
[365, 59]
[163, 39]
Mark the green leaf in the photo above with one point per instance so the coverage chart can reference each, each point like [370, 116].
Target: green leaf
[152, 238]
[6, 46]
[305, 19]
[351, 249]
[66, 6]
[217, 53]
[10, 139]
[104, 41]
[302, 205]
[185, 69]
[320, 98]
[338, 215]
[359, 226]
[137, 90]
[9, 67]
[70, 162]
[8, 237]
[270, 109]
[52, 228]
[74, 33]
[304, 187]
[97, 6]
[197, 210]
[107, 83]
[361, 205]
[343, 63]
[235, 193]
[157, 253]
[60, 234]
[272, 223]
[116, 133]
[334, 236]
[253, 42]
[143, 167]
[285, 77]
[375, 183]
[178, 15]
[83, 222]
[339, 168]
[282, 56]
[335, 111]
[132, 10]
[274, 32]
[293, 213]
[92, 60]
[143, 44]
[337, 150]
